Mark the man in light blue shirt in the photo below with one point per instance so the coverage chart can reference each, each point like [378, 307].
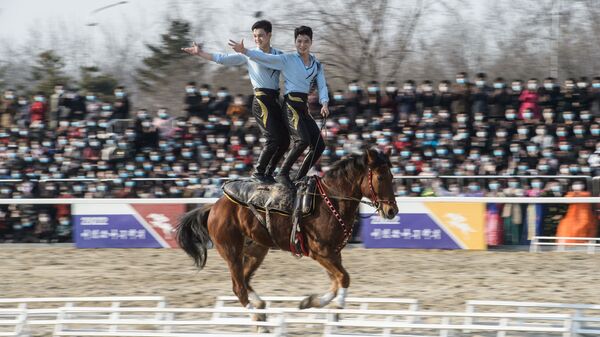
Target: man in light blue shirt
[300, 70]
[265, 106]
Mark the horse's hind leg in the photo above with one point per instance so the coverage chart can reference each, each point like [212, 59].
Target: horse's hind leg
[254, 254]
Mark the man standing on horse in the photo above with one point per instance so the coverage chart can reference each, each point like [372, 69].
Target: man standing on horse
[300, 70]
[265, 106]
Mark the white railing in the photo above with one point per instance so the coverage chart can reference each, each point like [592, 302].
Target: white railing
[12, 322]
[585, 317]
[44, 311]
[558, 241]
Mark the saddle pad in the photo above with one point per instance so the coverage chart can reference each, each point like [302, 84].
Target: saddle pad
[274, 197]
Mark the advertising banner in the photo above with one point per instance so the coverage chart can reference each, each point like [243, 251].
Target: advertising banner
[125, 226]
[426, 226]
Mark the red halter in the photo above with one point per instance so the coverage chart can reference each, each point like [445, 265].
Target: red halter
[376, 202]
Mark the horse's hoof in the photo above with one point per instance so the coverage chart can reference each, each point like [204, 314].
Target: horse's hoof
[262, 329]
[259, 317]
[307, 302]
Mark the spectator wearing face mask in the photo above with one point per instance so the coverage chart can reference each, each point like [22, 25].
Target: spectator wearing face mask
[407, 100]
[38, 109]
[121, 105]
[498, 100]
[579, 220]
[552, 213]
[193, 101]
[461, 91]
[220, 104]
[594, 97]
[444, 97]
[548, 94]
[529, 99]
[57, 106]
[8, 108]
[514, 92]
[480, 94]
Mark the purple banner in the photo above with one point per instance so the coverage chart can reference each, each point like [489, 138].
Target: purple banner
[119, 231]
[406, 230]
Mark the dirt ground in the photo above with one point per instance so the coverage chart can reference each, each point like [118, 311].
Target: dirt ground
[440, 280]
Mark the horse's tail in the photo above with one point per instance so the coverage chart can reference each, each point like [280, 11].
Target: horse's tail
[192, 234]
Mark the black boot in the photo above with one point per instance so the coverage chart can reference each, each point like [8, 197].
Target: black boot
[260, 178]
[285, 180]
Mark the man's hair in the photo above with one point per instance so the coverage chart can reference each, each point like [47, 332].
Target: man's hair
[303, 30]
[263, 24]
[191, 83]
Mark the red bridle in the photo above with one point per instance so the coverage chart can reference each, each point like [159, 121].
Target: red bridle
[374, 199]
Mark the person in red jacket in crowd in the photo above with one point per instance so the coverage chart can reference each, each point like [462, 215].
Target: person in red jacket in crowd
[38, 108]
[529, 99]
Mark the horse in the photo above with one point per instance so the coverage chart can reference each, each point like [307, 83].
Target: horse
[243, 242]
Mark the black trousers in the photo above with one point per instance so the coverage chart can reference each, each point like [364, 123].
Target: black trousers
[272, 123]
[304, 133]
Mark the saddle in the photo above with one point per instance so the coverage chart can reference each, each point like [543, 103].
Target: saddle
[277, 198]
[272, 197]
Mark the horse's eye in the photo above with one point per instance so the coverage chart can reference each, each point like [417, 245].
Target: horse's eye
[380, 177]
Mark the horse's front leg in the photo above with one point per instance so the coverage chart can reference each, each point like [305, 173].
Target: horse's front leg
[340, 281]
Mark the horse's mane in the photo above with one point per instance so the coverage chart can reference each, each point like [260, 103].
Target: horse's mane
[347, 168]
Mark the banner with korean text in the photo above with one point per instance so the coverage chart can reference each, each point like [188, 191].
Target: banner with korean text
[426, 225]
[125, 226]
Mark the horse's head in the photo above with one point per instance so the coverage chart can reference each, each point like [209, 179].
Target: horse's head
[378, 183]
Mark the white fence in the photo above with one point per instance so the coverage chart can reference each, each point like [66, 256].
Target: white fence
[559, 242]
[483, 318]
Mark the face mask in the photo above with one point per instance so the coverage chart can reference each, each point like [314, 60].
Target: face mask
[443, 89]
[498, 153]
[548, 86]
[481, 134]
[498, 85]
[516, 87]
[408, 87]
[531, 149]
[458, 151]
[204, 93]
[568, 117]
[540, 132]
[595, 132]
[577, 187]
[480, 83]
[523, 131]
[190, 90]
[543, 167]
[578, 131]
[338, 97]
[473, 188]
[119, 94]
[461, 119]
[564, 147]
[373, 90]
[494, 186]
[527, 115]
[460, 80]
[596, 85]
[501, 134]
[536, 184]
[531, 86]
[416, 189]
[561, 133]
[510, 116]
[513, 184]
[585, 116]
[441, 152]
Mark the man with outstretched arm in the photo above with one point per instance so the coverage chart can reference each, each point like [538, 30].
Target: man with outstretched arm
[265, 106]
[300, 69]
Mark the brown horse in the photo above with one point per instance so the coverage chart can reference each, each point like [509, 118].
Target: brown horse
[243, 241]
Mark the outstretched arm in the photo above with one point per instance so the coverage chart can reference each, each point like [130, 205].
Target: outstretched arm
[276, 62]
[224, 59]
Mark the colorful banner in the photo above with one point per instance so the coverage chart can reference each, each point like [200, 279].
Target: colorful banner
[125, 226]
[426, 226]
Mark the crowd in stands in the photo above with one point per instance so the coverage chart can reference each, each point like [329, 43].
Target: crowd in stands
[467, 127]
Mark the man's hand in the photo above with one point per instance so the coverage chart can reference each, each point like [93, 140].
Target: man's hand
[195, 49]
[325, 110]
[238, 47]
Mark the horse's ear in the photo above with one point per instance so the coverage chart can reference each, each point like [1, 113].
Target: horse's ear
[388, 151]
[371, 156]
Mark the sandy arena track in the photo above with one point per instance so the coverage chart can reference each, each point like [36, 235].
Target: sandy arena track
[441, 280]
